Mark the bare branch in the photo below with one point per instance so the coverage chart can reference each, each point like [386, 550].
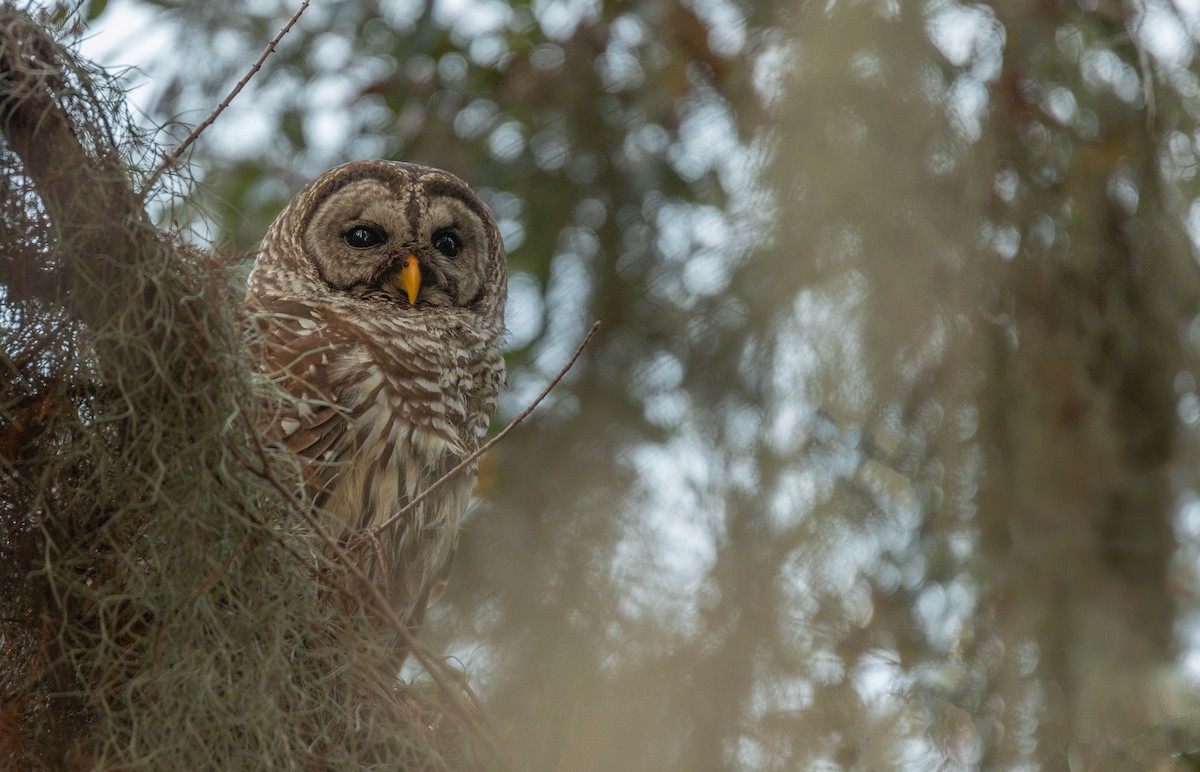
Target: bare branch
[375, 530]
[212, 117]
[431, 665]
[381, 604]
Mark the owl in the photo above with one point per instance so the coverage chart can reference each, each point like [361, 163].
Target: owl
[378, 295]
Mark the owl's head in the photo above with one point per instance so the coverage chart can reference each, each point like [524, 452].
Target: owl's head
[402, 237]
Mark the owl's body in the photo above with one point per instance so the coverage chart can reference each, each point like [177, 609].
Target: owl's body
[380, 298]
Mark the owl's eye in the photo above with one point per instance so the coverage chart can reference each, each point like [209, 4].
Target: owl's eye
[364, 236]
[447, 242]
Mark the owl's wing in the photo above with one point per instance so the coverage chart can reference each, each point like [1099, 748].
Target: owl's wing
[297, 348]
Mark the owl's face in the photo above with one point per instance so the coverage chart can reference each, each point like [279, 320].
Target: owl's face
[390, 233]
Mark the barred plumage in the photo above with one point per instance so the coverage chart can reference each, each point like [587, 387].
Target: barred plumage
[379, 292]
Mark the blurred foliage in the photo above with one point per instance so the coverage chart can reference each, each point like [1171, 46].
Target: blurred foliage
[886, 454]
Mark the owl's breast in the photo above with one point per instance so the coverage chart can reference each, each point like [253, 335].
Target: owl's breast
[397, 451]
[412, 419]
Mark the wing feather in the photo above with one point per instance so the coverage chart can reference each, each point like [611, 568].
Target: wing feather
[297, 348]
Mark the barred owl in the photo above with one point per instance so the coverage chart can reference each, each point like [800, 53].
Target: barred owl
[379, 297]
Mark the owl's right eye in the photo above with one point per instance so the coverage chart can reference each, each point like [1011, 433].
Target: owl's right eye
[364, 237]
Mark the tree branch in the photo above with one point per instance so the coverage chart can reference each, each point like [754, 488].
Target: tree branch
[381, 604]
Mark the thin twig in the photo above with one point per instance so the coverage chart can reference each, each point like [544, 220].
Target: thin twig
[298, 506]
[423, 656]
[428, 662]
[196, 132]
[375, 530]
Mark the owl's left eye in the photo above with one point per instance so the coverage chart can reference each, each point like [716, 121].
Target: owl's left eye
[364, 236]
[447, 242]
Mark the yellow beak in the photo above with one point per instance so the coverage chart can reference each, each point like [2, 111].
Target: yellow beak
[409, 279]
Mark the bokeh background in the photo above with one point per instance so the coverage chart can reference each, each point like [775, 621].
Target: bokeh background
[886, 454]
